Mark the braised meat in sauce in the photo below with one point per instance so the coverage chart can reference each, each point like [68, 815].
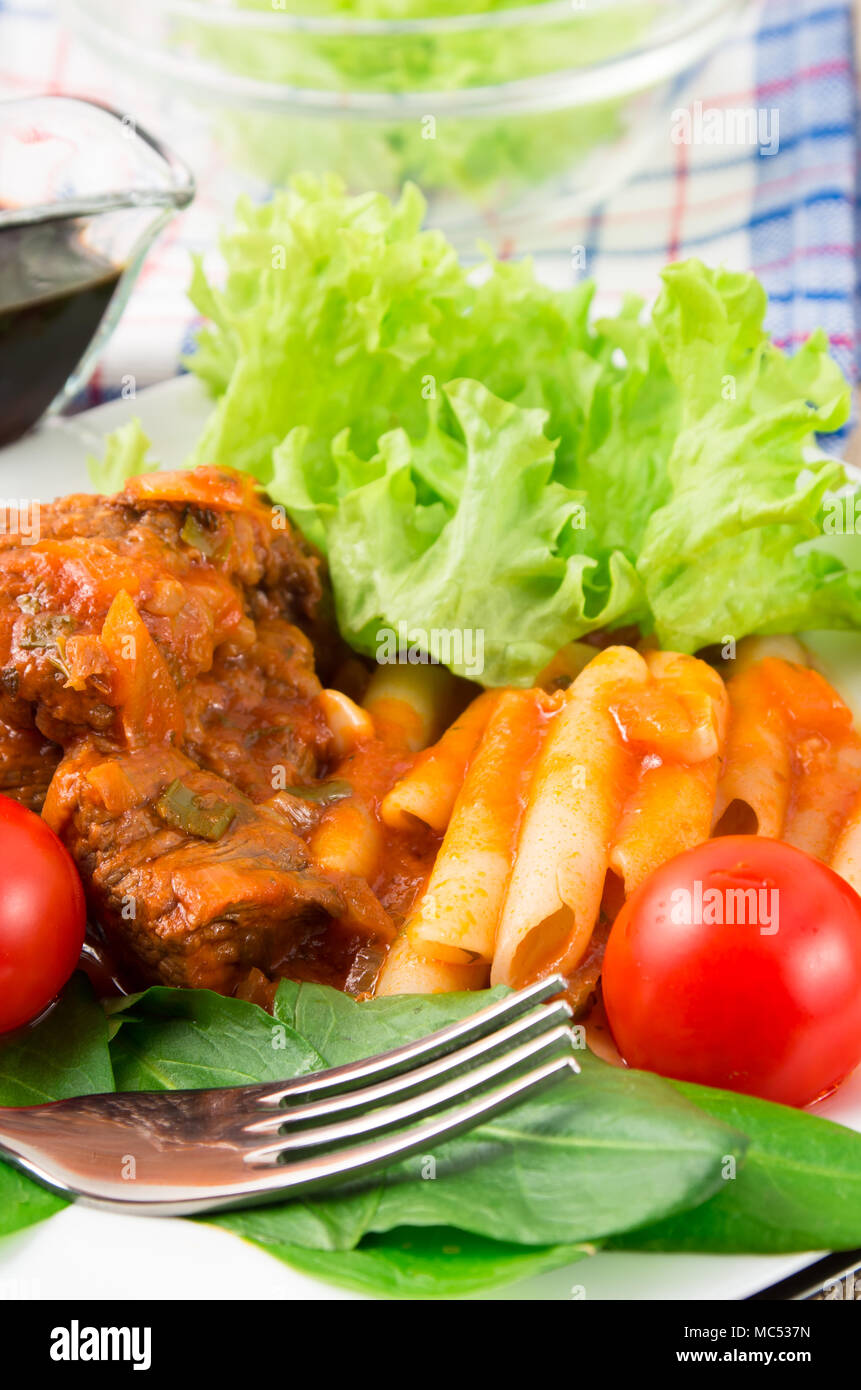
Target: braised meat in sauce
[161, 704]
[186, 875]
[28, 761]
[197, 554]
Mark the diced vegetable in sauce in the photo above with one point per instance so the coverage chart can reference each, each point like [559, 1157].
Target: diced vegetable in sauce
[182, 809]
[326, 794]
[195, 534]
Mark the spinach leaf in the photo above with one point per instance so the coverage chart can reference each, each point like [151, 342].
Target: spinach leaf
[342, 1030]
[799, 1188]
[590, 1156]
[434, 1262]
[596, 1154]
[610, 1154]
[570, 1165]
[177, 1039]
[66, 1055]
[23, 1202]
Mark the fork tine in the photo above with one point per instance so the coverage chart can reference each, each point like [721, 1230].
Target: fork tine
[405, 1111]
[540, 1020]
[400, 1059]
[322, 1170]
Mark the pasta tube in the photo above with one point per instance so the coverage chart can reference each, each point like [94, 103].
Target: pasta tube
[846, 859]
[411, 704]
[428, 791]
[670, 811]
[404, 971]
[826, 757]
[349, 839]
[680, 724]
[456, 918]
[580, 785]
[753, 793]
[793, 758]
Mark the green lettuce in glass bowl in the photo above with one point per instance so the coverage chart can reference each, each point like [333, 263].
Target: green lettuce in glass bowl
[511, 117]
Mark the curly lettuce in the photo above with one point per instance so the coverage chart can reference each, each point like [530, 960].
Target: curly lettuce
[479, 451]
[126, 456]
[729, 550]
[498, 558]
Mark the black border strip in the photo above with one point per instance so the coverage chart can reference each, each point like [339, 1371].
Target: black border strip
[812, 1278]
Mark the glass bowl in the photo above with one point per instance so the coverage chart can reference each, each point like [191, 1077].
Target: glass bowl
[512, 118]
[84, 192]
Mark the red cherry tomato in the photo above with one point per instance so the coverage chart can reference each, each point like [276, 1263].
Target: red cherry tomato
[738, 964]
[42, 915]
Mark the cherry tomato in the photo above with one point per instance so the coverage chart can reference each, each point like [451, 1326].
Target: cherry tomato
[738, 964]
[42, 915]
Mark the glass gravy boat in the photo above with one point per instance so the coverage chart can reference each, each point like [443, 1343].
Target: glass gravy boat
[84, 192]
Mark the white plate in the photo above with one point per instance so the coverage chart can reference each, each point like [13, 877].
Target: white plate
[84, 1254]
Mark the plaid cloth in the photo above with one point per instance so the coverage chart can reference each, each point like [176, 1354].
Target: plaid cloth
[789, 215]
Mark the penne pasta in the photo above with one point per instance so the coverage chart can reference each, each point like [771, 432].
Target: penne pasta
[411, 704]
[826, 757]
[679, 724]
[793, 758]
[580, 785]
[846, 859]
[404, 971]
[682, 715]
[753, 792]
[670, 811]
[825, 791]
[428, 791]
[456, 918]
[349, 839]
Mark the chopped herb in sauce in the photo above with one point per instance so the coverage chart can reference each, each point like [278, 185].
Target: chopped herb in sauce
[57, 659]
[182, 809]
[47, 630]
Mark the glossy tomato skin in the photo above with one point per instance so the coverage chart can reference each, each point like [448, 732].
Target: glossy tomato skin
[42, 915]
[774, 1013]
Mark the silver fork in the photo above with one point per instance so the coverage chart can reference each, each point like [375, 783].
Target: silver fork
[177, 1153]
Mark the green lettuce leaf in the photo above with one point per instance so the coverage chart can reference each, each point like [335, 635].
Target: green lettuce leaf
[398, 562]
[126, 456]
[727, 553]
[331, 312]
[484, 158]
[483, 459]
